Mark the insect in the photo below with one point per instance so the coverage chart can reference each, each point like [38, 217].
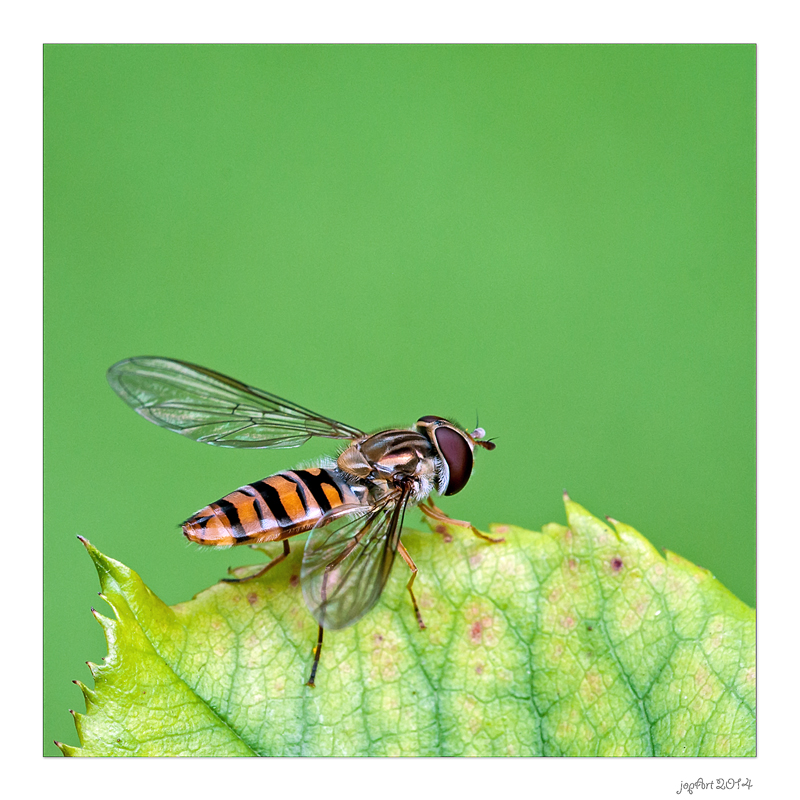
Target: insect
[354, 505]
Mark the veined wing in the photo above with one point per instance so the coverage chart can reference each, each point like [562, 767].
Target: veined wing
[346, 564]
[215, 409]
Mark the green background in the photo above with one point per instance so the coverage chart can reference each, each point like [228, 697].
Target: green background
[558, 238]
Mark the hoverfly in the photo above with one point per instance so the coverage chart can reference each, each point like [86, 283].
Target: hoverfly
[353, 505]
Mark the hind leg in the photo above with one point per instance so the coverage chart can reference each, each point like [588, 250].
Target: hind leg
[276, 560]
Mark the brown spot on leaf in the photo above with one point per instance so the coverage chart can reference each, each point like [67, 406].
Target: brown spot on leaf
[294, 581]
[616, 564]
[479, 669]
[476, 632]
[442, 529]
[252, 598]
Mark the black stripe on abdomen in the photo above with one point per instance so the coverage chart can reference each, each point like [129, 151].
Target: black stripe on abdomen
[315, 484]
[232, 515]
[298, 486]
[272, 498]
[251, 492]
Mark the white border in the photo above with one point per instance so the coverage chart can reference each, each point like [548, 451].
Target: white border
[769, 24]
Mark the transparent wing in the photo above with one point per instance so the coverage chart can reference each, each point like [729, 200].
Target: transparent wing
[213, 408]
[346, 564]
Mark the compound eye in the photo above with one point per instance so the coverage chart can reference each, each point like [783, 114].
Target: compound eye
[458, 455]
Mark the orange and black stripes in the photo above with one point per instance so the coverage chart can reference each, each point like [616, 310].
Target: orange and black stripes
[272, 509]
[316, 480]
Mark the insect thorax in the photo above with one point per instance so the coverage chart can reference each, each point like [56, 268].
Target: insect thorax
[393, 457]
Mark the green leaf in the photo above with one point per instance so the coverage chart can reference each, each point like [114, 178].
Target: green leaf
[579, 640]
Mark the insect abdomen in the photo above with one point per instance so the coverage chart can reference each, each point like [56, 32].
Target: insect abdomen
[272, 509]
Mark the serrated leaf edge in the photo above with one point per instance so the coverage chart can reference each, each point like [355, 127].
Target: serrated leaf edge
[109, 569]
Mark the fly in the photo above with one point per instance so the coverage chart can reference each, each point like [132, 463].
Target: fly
[353, 505]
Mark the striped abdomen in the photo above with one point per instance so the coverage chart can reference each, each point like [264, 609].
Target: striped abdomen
[276, 508]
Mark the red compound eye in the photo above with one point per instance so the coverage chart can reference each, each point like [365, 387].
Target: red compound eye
[458, 454]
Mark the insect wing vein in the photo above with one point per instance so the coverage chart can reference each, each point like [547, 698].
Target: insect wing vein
[212, 408]
[346, 564]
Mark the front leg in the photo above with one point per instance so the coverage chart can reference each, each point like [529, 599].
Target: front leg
[432, 511]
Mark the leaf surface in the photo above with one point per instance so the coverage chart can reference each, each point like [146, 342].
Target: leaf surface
[577, 640]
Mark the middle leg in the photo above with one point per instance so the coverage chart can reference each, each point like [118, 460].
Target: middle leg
[413, 567]
[317, 654]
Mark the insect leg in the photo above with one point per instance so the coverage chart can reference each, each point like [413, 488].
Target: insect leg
[261, 572]
[413, 567]
[432, 511]
[317, 653]
[318, 649]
